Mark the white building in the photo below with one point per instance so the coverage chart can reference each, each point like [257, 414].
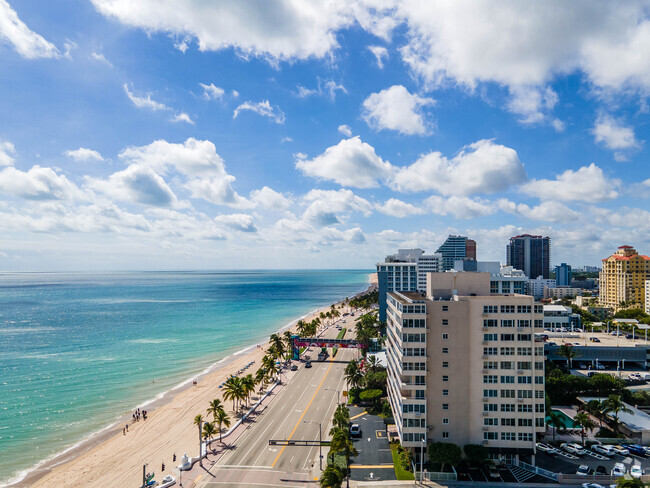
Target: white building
[536, 286]
[561, 291]
[559, 316]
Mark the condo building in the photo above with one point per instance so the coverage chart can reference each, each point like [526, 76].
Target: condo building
[464, 367]
[454, 248]
[531, 254]
[563, 275]
[623, 279]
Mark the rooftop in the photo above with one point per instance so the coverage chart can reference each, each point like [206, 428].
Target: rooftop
[636, 420]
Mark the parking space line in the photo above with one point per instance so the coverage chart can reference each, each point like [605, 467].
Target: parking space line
[380, 434]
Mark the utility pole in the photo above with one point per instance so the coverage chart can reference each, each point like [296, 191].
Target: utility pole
[200, 444]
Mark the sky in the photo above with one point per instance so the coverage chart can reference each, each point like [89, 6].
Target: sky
[188, 134]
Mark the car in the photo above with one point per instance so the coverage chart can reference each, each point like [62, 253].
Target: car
[594, 339]
[636, 449]
[636, 471]
[618, 469]
[546, 448]
[308, 364]
[294, 367]
[573, 448]
[620, 450]
[603, 449]
[583, 470]
[600, 469]
[600, 366]
[355, 430]
[592, 485]
[635, 376]
[494, 472]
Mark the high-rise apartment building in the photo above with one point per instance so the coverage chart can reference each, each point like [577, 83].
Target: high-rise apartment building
[405, 271]
[454, 248]
[563, 275]
[623, 279]
[531, 254]
[464, 367]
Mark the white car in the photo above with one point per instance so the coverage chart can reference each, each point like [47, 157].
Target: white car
[620, 450]
[546, 448]
[583, 470]
[592, 485]
[635, 376]
[636, 471]
[618, 469]
[573, 448]
[600, 367]
[603, 449]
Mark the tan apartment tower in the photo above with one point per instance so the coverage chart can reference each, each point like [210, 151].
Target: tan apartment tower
[464, 367]
[623, 278]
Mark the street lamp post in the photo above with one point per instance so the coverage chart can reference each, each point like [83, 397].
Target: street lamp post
[320, 442]
[422, 460]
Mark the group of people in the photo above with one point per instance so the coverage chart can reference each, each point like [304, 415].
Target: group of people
[136, 418]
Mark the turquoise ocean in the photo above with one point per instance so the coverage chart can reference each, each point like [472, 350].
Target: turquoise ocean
[79, 350]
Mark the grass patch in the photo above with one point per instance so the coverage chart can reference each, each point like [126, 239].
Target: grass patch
[341, 333]
[400, 472]
[339, 460]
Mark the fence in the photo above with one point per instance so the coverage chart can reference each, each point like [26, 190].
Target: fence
[534, 469]
[436, 476]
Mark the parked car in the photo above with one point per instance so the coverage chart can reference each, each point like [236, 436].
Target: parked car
[355, 430]
[618, 469]
[636, 449]
[629, 336]
[592, 485]
[494, 472]
[600, 469]
[600, 366]
[546, 448]
[636, 471]
[583, 470]
[308, 364]
[294, 367]
[635, 376]
[621, 450]
[573, 448]
[594, 339]
[603, 449]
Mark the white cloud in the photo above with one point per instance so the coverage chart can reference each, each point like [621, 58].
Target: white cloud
[212, 92]
[398, 208]
[144, 102]
[459, 207]
[329, 207]
[101, 58]
[136, 184]
[396, 109]
[287, 139]
[27, 43]
[549, 211]
[267, 198]
[263, 108]
[380, 53]
[345, 130]
[324, 88]
[481, 167]
[38, 183]
[613, 134]
[198, 160]
[7, 150]
[531, 103]
[587, 184]
[241, 222]
[182, 117]
[280, 30]
[558, 125]
[349, 163]
[84, 154]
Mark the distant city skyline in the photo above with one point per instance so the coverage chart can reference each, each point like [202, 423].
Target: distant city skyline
[145, 135]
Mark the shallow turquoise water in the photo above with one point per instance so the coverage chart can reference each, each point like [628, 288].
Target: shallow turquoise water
[78, 350]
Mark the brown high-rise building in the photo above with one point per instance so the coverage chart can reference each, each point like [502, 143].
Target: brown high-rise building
[470, 249]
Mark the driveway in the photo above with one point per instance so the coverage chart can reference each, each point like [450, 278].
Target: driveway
[374, 460]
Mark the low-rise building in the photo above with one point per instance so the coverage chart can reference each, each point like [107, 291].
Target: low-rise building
[557, 293]
[559, 316]
[536, 286]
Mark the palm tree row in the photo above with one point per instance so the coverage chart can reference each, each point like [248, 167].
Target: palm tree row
[239, 389]
[207, 430]
[332, 476]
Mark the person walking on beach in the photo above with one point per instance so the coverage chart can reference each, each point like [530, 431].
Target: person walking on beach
[127, 427]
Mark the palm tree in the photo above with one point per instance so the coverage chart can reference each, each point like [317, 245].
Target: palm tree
[373, 363]
[209, 431]
[260, 377]
[268, 363]
[301, 328]
[222, 419]
[288, 343]
[568, 352]
[614, 405]
[595, 408]
[584, 421]
[232, 390]
[556, 421]
[215, 406]
[341, 442]
[332, 477]
[248, 385]
[353, 374]
[198, 421]
[342, 417]
[277, 346]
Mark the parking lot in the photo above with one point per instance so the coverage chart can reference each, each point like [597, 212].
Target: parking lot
[562, 463]
[374, 459]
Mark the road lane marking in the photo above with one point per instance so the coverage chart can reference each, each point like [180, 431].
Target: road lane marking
[370, 466]
[357, 416]
[303, 413]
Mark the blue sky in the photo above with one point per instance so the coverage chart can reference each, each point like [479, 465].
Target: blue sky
[300, 134]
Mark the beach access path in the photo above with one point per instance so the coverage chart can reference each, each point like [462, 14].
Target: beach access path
[168, 430]
[309, 398]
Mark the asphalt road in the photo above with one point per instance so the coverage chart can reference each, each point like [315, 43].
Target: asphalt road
[310, 397]
[374, 460]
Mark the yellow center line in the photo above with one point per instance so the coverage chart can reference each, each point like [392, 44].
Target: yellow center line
[357, 416]
[303, 413]
[370, 466]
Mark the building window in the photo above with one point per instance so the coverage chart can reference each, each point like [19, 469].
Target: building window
[445, 308]
[445, 322]
[419, 394]
[524, 394]
[508, 407]
[524, 408]
[507, 323]
[508, 379]
[508, 436]
[525, 422]
[525, 436]
[445, 421]
[507, 309]
[506, 364]
[445, 406]
[490, 378]
[490, 393]
[445, 364]
[490, 309]
[445, 336]
[507, 393]
[508, 422]
[490, 436]
[445, 392]
[445, 378]
[490, 337]
[490, 422]
[445, 435]
[525, 380]
[507, 337]
[490, 323]
[539, 380]
[445, 350]
[490, 407]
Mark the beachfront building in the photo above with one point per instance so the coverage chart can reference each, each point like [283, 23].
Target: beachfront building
[464, 367]
[623, 279]
[455, 248]
[531, 254]
[405, 271]
[503, 279]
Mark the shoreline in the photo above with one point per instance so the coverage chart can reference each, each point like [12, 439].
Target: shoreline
[95, 440]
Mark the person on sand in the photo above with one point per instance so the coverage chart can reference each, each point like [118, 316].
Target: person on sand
[127, 427]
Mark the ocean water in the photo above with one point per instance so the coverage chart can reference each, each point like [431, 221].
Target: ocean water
[79, 350]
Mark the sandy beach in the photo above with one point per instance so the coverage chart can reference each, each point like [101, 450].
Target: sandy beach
[111, 458]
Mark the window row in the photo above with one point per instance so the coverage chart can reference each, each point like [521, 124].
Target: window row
[507, 323]
[511, 407]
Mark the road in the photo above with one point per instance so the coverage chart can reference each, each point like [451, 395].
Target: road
[310, 397]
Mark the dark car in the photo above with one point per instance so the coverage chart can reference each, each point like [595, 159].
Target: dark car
[355, 430]
[493, 472]
[294, 367]
[635, 449]
[601, 470]
[594, 339]
[629, 336]
[308, 364]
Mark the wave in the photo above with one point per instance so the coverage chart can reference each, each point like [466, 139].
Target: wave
[152, 341]
[26, 330]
